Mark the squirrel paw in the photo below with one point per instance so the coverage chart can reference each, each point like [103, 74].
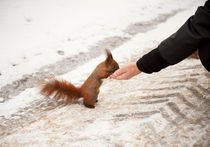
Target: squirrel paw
[90, 106]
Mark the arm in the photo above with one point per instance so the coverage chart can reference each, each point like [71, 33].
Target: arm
[179, 45]
[174, 49]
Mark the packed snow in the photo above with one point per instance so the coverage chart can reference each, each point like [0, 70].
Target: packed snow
[37, 33]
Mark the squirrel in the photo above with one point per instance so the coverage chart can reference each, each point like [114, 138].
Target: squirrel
[89, 90]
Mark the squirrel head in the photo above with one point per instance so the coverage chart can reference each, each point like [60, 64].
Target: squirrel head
[107, 67]
[110, 63]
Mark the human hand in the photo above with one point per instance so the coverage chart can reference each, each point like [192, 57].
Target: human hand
[126, 72]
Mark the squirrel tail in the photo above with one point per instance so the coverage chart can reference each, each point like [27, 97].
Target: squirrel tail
[60, 90]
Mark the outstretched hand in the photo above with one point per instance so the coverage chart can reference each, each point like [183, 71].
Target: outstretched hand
[126, 72]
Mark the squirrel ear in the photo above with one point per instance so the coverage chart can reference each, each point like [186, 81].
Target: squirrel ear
[109, 56]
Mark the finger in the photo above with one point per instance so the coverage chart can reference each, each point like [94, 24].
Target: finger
[119, 72]
[124, 76]
[112, 76]
[115, 76]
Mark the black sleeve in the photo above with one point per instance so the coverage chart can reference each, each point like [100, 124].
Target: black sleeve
[179, 45]
[152, 62]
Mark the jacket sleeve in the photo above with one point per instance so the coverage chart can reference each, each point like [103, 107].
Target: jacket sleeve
[180, 44]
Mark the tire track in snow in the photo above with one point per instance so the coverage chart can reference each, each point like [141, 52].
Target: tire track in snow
[186, 111]
[184, 105]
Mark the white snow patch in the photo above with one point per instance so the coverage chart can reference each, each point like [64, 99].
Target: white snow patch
[20, 101]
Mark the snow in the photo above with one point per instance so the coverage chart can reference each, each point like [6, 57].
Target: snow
[10, 107]
[32, 33]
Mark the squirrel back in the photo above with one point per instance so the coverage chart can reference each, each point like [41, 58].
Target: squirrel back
[89, 89]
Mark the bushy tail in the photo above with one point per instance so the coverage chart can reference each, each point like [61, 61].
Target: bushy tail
[60, 90]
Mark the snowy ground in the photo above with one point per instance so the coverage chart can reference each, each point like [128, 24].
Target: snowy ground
[66, 39]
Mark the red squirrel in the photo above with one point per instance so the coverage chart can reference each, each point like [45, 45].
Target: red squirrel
[89, 89]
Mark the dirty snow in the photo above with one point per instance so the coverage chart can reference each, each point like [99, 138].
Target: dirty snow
[165, 109]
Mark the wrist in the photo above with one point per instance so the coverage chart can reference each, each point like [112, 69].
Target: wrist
[136, 69]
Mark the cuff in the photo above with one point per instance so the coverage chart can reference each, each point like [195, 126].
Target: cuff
[152, 62]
